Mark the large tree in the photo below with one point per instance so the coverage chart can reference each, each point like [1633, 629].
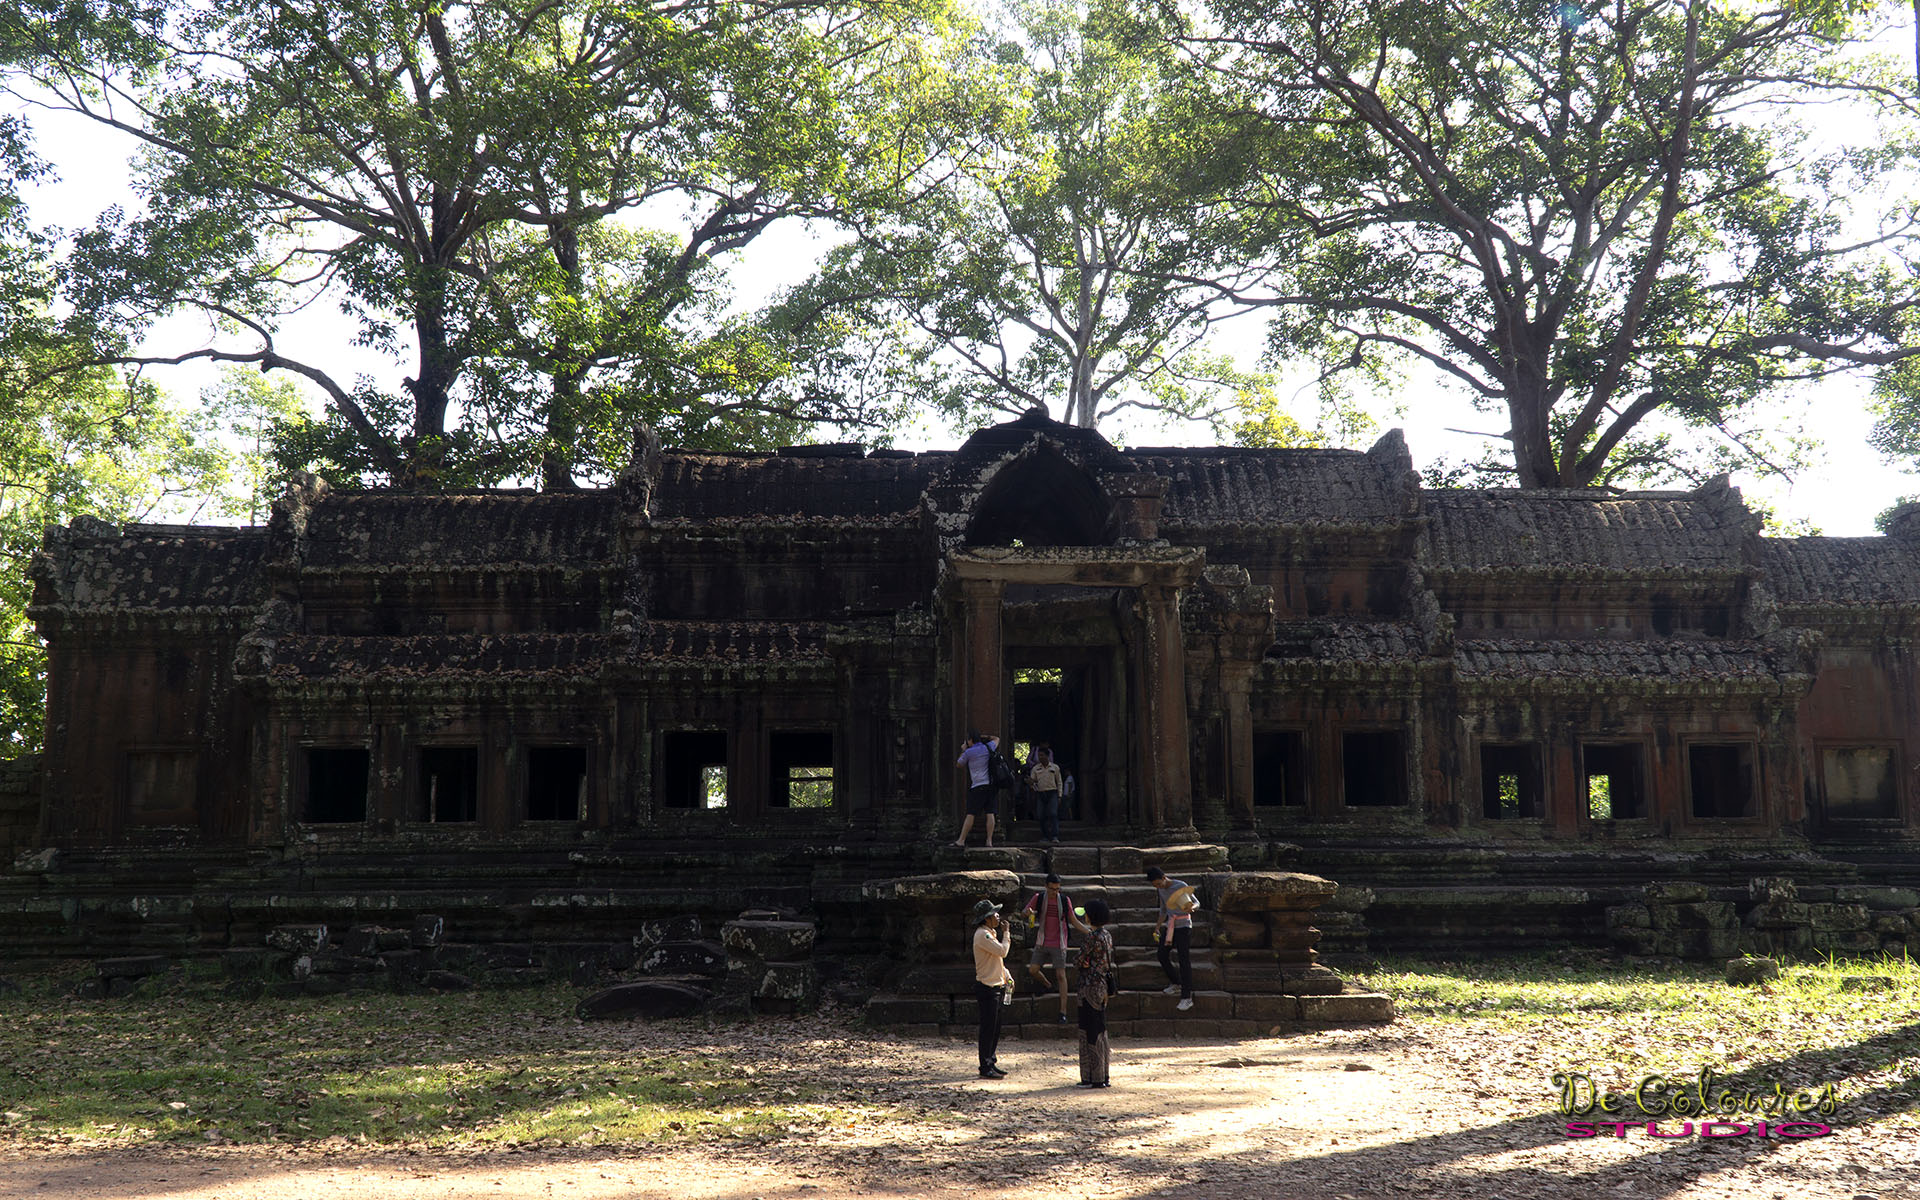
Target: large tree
[387, 154]
[1587, 212]
[1081, 252]
[91, 443]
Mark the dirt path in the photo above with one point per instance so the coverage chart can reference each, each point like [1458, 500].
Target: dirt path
[1328, 1115]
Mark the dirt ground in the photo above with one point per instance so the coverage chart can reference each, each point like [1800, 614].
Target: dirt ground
[1404, 1111]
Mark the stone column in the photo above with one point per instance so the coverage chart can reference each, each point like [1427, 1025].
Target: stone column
[1236, 688]
[979, 662]
[1161, 722]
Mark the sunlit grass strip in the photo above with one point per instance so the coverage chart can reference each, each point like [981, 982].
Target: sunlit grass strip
[479, 1068]
[1853, 1023]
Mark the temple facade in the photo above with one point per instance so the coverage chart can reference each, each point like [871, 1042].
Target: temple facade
[782, 653]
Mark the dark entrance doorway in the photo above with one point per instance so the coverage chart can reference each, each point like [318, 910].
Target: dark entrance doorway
[1069, 706]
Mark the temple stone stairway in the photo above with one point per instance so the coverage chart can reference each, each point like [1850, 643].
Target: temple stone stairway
[1254, 965]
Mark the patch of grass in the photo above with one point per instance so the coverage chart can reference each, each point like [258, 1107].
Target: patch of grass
[476, 1068]
[1852, 1023]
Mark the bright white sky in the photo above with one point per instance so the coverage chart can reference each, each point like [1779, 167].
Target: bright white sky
[1839, 495]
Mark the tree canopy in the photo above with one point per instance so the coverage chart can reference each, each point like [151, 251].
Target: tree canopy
[443, 171]
[1585, 212]
[1082, 251]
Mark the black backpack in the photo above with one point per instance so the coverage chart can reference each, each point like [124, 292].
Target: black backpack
[999, 771]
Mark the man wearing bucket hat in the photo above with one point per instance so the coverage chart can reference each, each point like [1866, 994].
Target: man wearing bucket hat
[992, 938]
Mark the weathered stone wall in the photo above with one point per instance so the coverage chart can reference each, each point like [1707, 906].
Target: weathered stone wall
[19, 805]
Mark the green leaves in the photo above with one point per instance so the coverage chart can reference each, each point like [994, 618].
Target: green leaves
[526, 199]
[1085, 242]
[1582, 214]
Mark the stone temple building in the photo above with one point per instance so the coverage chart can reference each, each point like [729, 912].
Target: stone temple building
[740, 679]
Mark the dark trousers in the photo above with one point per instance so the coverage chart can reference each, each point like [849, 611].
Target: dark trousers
[989, 1000]
[1183, 944]
[1049, 804]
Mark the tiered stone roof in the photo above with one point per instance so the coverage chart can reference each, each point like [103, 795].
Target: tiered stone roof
[357, 529]
[1831, 571]
[703, 488]
[152, 567]
[1496, 530]
[1227, 487]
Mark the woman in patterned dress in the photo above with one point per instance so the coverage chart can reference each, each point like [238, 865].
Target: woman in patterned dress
[1096, 984]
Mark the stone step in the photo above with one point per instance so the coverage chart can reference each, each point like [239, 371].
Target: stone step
[1145, 972]
[1214, 1014]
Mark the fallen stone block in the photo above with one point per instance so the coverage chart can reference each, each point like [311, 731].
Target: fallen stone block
[428, 932]
[666, 929]
[369, 940]
[298, 939]
[796, 982]
[1352, 1008]
[1751, 970]
[1629, 916]
[769, 941]
[137, 966]
[684, 958]
[446, 981]
[647, 1000]
[334, 962]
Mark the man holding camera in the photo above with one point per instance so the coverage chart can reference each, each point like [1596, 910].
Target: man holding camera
[992, 938]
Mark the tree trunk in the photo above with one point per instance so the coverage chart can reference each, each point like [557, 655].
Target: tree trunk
[431, 389]
[1533, 458]
[563, 430]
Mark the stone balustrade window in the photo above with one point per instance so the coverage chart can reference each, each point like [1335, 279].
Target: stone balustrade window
[447, 785]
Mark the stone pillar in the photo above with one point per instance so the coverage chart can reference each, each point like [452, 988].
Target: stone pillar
[1161, 722]
[1236, 689]
[979, 663]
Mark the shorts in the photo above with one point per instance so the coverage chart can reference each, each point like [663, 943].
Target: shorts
[1052, 956]
[981, 800]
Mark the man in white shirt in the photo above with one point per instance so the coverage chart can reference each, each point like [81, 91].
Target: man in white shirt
[992, 938]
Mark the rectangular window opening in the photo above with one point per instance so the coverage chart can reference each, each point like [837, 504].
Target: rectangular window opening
[337, 785]
[162, 787]
[1860, 783]
[1279, 768]
[801, 770]
[1721, 776]
[449, 786]
[1615, 777]
[1510, 783]
[694, 768]
[1375, 769]
[557, 783]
